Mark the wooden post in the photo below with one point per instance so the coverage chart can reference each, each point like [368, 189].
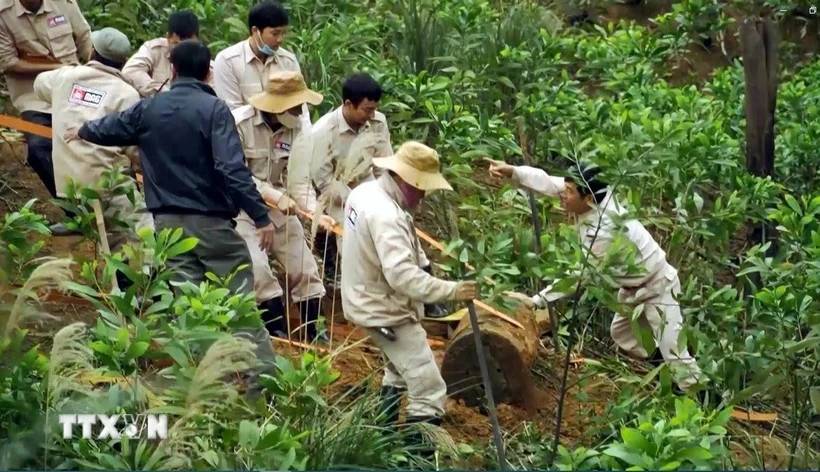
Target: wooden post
[510, 351]
[759, 51]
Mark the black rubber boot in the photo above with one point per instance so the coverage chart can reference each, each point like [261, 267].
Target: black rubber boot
[415, 438]
[273, 315]
[309, 311]
[325, 247]
[434, 310]
[391, 404]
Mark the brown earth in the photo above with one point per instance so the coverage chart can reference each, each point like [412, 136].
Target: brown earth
[356, 365]
[18, 184]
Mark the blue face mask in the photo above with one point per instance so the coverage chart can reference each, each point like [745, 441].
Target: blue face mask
[264, 48]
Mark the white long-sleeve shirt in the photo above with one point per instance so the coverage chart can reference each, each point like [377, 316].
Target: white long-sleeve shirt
[597, 229]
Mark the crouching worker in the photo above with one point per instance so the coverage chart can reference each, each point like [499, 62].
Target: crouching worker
[78, 94]
[194, 177]
[272, 136]
[597, 210]
[384, 287]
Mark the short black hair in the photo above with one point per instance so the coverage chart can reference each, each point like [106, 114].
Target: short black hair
[191, 58]
[267, 14]
[359, 86]
[586, 178]
[184, 24]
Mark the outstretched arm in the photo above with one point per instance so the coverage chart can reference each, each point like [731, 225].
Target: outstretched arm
[528, 177]
[115, 129]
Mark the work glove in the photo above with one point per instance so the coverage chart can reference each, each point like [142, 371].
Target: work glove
[525, 299]
[466, 290]
[327, 223]
[286, 205]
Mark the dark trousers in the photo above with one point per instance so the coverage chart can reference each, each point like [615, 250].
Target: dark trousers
[39, 150]
[220, 250]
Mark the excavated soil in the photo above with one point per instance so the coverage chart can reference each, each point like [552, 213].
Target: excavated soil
[359, 365]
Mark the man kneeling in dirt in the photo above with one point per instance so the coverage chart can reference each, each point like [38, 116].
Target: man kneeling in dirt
[384, 287]
[597, 210]
[78, 94]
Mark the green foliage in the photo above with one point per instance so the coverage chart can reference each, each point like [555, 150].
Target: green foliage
[504, 79]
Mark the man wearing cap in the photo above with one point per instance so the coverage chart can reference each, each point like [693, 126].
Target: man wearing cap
[149, 70]
[585, 195]
[77, 94]
[277, 152]
[384, 284]
[242, 70]
[38, 36]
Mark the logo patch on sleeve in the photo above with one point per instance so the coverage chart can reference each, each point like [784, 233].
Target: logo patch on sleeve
[86, 97]
[352, 216]
[56, 21]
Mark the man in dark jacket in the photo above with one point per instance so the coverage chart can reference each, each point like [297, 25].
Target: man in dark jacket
[194, 173]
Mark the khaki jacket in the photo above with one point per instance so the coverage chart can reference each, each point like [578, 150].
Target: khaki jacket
[598, 228]
[270, 155]
[78, 94]
[57, 33]
[383, 283]
[333, 139]
[150, 70]
[239, 74]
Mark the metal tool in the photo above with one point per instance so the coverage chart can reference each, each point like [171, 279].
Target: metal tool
[388, 333]
[488, 388]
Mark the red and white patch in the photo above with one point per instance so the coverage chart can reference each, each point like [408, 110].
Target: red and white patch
[282, 145]
[86, 97]
[56, 21]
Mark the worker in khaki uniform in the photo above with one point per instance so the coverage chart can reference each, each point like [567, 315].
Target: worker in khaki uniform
[384, 286]
[344, 143]
[38, 36]
[149, 70]
[597, 210]
[242, 70]
[272, 137]
[78, 94]
[335, 170]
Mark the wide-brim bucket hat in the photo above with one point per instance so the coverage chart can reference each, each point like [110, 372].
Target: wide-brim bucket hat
[416, 164]
[285, 90]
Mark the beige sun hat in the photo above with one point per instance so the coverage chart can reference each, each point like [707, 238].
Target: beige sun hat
[416, 164]
[285, 90]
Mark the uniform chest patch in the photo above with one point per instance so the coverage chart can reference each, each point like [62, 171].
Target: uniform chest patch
[56, 21]
[352, 216]
[86, 97]
[281, 145]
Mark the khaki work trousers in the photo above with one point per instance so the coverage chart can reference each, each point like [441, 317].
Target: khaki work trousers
[662, 317]
[220, 250]
[411, 365]
[290, 249]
